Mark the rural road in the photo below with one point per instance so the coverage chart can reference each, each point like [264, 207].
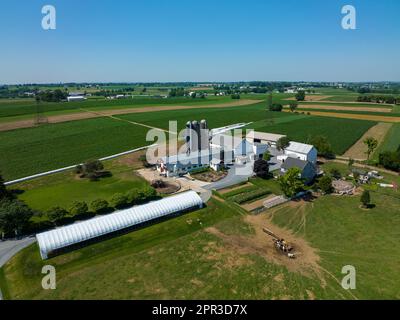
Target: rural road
[9, 248]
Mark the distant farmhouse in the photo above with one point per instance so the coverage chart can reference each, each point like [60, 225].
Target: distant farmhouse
[76, 96]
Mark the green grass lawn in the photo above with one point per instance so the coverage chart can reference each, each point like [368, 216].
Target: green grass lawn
[177, 259]
[64, 188]
[25, 282]
[348, 235]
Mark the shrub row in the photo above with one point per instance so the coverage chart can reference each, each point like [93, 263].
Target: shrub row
[98, 206]
[249, 196]
[200, 170]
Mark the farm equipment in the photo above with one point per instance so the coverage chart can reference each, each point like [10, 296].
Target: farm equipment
[280, 244]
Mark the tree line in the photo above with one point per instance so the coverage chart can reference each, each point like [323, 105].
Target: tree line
[15, 215]
[379, 99]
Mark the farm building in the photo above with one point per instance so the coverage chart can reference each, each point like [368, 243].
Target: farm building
[183, 163]
[76, 98]
[55, 241]
[263, 137]
[307, 168]
[300, 151]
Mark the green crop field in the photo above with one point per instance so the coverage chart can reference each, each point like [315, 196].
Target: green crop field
[391, 142]
[33, 150]
[15, 108]
[179, 259]
[341, 133]
[215, 117]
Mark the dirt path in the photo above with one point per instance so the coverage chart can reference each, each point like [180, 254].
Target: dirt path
[358, 150]
[259, 243]
[352, 102]
[354, 116]
[343, 108]
[257, 204]
[345, 160]
[86, 114]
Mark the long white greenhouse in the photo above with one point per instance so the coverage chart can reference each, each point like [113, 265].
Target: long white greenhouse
[55, 240]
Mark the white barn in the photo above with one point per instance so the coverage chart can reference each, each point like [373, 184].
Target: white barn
[302, 151]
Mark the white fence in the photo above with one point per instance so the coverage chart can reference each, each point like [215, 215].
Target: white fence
[73, 166]
[275, 201]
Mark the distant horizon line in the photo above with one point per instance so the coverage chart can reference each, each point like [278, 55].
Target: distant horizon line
[194, 82]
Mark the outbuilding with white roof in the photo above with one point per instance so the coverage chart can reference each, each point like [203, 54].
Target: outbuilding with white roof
[302, 151]
[52, 242]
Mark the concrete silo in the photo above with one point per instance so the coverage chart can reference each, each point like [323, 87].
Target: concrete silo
[204, 135]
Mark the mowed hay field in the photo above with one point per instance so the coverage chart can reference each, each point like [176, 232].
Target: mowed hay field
[359, 149]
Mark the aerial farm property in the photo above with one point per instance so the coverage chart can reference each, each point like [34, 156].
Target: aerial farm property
[247, 189]
[206, 151]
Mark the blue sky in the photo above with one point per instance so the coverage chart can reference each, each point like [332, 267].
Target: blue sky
[202, 40]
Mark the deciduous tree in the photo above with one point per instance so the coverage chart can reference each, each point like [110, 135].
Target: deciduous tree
[371, 144]
[291, 182]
